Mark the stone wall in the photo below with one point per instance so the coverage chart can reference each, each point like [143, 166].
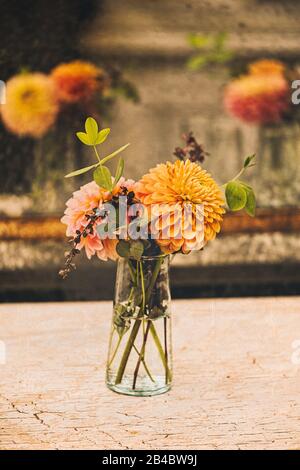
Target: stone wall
[149, 39]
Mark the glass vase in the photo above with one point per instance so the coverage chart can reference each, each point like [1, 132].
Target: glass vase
[278, 160]
[140, 353]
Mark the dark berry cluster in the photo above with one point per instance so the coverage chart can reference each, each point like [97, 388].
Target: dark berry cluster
[192, 150]
[89, 229]
[69, 255]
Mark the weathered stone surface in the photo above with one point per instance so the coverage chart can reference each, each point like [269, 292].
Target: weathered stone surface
[236, 379]
[150, 28]
[260, 264]
[257, 248]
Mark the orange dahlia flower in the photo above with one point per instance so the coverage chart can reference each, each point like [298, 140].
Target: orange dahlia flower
[31, 105]
[78, 81]
[167, 190]
[258, 98]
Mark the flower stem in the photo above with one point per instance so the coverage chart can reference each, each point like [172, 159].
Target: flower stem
[153, 279]
[115, 351]
[166, 347]
[97, 154]
[139, 269]
[127, 350]
[137, 324]
[235, 178]
[144, 364]
[132, 271]
[141, 356]
[160, 349]
[143, 287]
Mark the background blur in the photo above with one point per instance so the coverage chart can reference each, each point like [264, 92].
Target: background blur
[151, 42]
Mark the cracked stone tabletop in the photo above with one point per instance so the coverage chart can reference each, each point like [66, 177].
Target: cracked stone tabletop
[236, 384]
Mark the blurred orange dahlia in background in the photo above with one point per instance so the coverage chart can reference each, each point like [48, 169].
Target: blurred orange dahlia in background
[266, 67]
[260, 97]
[78, 80]
[173, 185]
[31, 104]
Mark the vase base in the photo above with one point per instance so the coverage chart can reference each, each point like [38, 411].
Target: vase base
[125, 388]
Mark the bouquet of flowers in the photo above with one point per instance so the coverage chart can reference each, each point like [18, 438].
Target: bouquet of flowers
[177, 207]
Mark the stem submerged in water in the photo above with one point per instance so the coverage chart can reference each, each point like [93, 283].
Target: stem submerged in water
[144, 364]
[141, 356]
[127, 350]
[166, 348]
[160, 350]
[146, 295]
[115, 351]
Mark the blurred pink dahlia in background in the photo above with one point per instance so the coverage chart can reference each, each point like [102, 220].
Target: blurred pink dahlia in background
[262, 96]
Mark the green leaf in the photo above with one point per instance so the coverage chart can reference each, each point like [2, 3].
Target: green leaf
[102, 176]
[136, 249]
[116, 152]
[123, 248]
[127, 90]
[121, 319]
[102, 136]
[197, 62]
[84, 138]
[245, 185]
[248, 160]
[91, 128]
[92, 135]
[220, 40]
[119, 171]
[251, 203]
[236, 195]
[220, 56]
[81, 171]
[198, 41]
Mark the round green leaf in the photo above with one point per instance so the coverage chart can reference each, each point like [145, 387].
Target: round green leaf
[123, 248]
[102, 177]
[236, 196]
[136, 249]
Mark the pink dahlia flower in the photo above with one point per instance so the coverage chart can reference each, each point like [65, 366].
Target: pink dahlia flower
[258, 99]
[82, 203]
